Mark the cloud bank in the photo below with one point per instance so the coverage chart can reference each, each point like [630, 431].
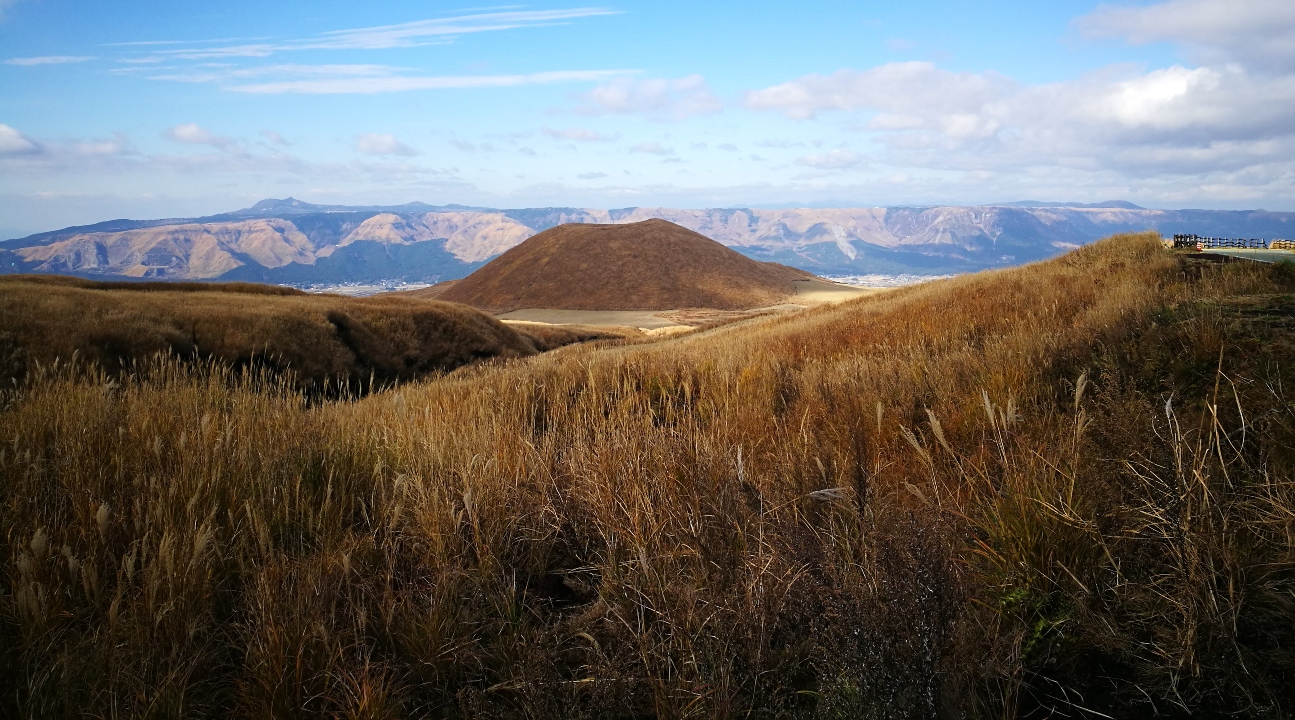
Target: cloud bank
[1227, 122]
[657, 99]
[1257, 33]
[379, 144]
[13, 142]
[194, 134]
[576, 134]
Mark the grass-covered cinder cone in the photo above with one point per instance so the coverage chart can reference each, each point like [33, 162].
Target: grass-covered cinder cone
[1060, 489]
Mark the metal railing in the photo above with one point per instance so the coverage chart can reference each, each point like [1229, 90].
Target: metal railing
[1208, 243]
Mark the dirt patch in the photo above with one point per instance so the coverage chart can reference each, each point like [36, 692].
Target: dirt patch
[641, 319]
[546, 336]
[819, 291]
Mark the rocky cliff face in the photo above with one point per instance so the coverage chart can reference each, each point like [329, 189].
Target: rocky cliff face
[179, 252]
[469, 236]
[307, 243]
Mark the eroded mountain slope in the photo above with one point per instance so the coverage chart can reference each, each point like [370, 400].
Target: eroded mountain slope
[294, 242]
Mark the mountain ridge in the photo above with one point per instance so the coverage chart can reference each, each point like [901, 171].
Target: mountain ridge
[288, 241]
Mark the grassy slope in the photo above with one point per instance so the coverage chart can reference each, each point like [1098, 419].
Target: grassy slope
[649, 265]
[320, 338]
[968, 497]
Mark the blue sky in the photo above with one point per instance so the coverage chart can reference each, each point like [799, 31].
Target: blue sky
[153, 109]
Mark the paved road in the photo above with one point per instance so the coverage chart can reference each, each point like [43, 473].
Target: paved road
[1265, 256]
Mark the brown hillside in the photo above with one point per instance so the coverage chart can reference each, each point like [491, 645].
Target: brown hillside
[649, 265]
[322, 338]
[1061, 490]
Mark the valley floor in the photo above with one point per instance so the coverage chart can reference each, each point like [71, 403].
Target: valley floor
[809, 293]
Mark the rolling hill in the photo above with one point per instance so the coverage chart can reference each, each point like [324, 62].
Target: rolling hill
[323, 339]
[648, 265]
[1062, 490]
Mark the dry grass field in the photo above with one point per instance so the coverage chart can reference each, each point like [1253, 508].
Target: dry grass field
[324, 340]
[1053, 491]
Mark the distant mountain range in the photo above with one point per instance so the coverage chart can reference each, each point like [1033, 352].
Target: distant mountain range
[298, 243]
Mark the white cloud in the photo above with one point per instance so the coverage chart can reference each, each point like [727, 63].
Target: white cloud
[832, 160]
[224, 73]
[904, 89]
[414, 33]
[231, 51]
[115, 147]
[328, 70]
[1140, 124]
[112, 163]
[404, 35]
[651, 149]
[354, 79]
[274, 137]
[20, 151]
[47, 60]
[194, 134]
[472, 147]
[591, 175]
[13, 142]
[374, 85]
[1259, 33]
[380, 144]
[657, 98]
[1157, 99]
[576, 134]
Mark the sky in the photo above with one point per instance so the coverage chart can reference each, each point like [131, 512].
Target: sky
[175, 108]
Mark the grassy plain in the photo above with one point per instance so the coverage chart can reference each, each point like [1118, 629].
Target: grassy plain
[1040, 492]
